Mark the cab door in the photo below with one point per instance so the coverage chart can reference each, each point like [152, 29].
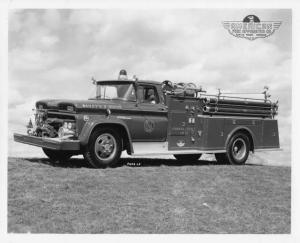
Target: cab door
[154, 111]
[133, 118]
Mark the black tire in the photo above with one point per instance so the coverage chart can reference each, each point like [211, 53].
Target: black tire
[222, 158]
[238, 149]
[187, 157]
[57, 155]
[104, 148]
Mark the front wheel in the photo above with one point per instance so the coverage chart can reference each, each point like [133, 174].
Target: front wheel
[57, 155]
[238, 149]
[104, 148]
[187, 157]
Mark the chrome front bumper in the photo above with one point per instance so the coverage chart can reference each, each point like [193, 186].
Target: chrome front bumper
[50, 143]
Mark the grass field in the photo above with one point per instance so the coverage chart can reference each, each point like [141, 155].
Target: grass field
[159, 196]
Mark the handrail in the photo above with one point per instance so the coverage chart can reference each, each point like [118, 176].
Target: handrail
[220, 97]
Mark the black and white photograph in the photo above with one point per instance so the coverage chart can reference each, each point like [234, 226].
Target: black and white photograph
[149, 120]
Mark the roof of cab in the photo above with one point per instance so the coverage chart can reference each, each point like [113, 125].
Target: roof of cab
[132, 81]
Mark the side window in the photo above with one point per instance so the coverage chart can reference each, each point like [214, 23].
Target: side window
[147, 94]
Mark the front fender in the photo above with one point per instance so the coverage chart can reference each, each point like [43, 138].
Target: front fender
[94, 121]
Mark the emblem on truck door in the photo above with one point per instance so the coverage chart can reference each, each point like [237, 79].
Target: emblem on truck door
[180, 143]
[149, 126]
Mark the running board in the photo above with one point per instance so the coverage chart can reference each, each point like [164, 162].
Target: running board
[161, 148]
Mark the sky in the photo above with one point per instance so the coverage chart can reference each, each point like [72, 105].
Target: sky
[55, 53]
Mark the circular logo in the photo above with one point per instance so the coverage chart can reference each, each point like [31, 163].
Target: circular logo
[149, 126]
[251, 18]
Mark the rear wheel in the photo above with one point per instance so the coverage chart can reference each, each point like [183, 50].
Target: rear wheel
[238, 149]
[104, 148]
[187, 157]
[57, 155]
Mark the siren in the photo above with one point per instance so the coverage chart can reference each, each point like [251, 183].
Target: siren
[122, 75]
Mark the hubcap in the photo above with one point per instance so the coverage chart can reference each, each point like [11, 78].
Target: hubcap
[239, 149]
[105, 146]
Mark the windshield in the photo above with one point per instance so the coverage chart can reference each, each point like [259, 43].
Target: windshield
[116, 91]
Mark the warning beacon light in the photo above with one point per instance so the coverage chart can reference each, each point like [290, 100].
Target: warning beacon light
[123, 75]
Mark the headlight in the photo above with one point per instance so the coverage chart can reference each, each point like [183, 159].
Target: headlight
[67, 130]
[69, 125]
[63, 132]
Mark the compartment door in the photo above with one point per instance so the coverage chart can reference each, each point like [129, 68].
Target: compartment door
[182, 115]
[270, 134]
[176, 130]
[215, 133]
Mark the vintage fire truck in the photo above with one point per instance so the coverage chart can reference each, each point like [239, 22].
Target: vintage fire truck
[153, 118]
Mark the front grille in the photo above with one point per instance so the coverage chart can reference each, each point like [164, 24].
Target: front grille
[49, 122]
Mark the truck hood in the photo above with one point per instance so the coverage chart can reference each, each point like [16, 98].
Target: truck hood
[61, 104]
